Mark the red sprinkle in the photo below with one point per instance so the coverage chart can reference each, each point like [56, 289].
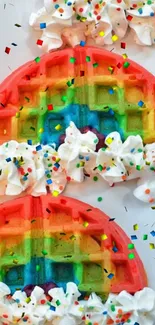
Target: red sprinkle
[81, 10]
[68, 178]
[39, 42]
[43, 301]
[29, 170]
[5, 316]
[50, 107]
[123, 45]
[7, 50]
[98, 17]
[129, 17]
[76, 303]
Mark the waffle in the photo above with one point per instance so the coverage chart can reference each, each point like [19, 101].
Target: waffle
[90, 86]
[62, 239]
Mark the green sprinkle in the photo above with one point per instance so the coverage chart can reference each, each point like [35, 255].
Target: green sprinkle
[95, 65]
[69, 83]
[131, 246]
[37, 59]
[152, 168]
[78, 165]
[58, 303]
[95, 178]
[87, 58]
[72, 60]
[100, 168]
[131, 163]
[44, 252]
[149, 2]
[139, 150]
[138, 167]
[145, 237]
[96, 141]
[99, 199]
[126, 64]
[112, 307]
[32, 128]
[103, 149]
[49, 165]
[131, 256]
[64, 98]
[37, 268]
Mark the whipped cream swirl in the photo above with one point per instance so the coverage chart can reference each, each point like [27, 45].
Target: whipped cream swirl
[94, 22]
[61, 308]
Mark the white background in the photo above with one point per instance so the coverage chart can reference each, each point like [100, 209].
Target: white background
[118, 201]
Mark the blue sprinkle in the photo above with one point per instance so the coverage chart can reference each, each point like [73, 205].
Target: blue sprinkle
[108, 168]
[115, 249]
[111, 91]
[17, 301]
[39, 147]
[46, 172]
[52, 308]
[81, 157]
[72, 81]
[111, 112]
[110, 276]
[136, 323]
[152, 233]
[140, 103]
[29, 142]
[25, 178]
[87, 158]
[45, 155]
[8, 159]
[69, 3]
[105, 313]
[42, 25]
[56, 165]
[152, 14]
[132, 150]
[82, 43]
[49, 181]
[140, 10]
[56, 6]
[133, 237]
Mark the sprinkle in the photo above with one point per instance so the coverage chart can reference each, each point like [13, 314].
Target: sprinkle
[50, 107]
[115, 249]
[129, 17]
[145, 237]
[28, 299]
[102, 33]
[131, 256]
[126, 64]
[95, 65]
[8, 159]
[114, 38]
[140, 10]
[42, 25]
[104, 236]
[113, 308]
[29, 142]
[123, 45]
[152, 233]
[82, 43]
[72, 60]
[39, 42]
[112, 219]
[72, 237]
[85, 224]
[44, 252]
[111, 91]
[138, 167]
[49, 181]
[110, 276]
[15, 261]
[152, 246]
[64, 98]
[52, 308]
[14, 44]
[39, 147]
[153, 208]
[124, 55]
[109, 140]
[58, 303]
[81, 73]
[7, 50]
[58, 127]
[87, 58]
[131, 246]
[55, 193]
[99, 199]
[111, 69]
[95, 178]
[37, 59]
[41, 130]
[133, 237]
[135, 227]
[140, 103]
[152, 14]
[119, 65]
[100, 168]
[48, 210]
[17, 25]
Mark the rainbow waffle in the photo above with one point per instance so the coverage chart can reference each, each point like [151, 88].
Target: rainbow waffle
[61, 239]
[90, 86]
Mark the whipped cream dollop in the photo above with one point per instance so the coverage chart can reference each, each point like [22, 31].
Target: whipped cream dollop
[61, 307]
[94, 22]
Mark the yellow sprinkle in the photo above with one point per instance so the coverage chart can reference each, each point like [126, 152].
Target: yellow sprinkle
[11, 253]
[104, 237]
[58, 127]
[81, 309]
[87, 322]
[55, 193]
[114, 38]
[85, 224]
[57, 159]
[4, 131]
[135, 227]
[83, 19]
[82, 163]
[28, 299]
[17, 115]
[109, 140]
[15, 261]
[102, 33]
[124, 56]
[152, 246]
[41, 130]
